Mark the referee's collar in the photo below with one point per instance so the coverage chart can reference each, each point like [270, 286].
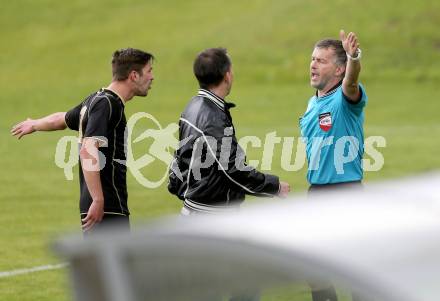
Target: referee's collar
[115, 94]
[331, 91]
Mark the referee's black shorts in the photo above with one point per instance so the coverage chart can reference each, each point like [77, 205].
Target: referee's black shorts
[315, 189]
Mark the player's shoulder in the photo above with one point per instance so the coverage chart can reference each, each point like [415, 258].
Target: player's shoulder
[103, 99]
[110, 96]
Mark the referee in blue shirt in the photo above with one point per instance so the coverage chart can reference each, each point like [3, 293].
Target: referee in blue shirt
[332, 126]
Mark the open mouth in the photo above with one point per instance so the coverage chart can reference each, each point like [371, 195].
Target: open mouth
[314, 76]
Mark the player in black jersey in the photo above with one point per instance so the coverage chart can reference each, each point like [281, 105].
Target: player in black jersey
[100, 122]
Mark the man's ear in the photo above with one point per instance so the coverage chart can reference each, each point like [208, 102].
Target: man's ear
[133, 75]
[228, 76]
[340, 70]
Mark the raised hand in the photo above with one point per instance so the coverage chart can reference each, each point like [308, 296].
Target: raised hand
[350, 43]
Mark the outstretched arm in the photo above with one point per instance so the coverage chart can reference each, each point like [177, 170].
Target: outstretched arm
[350, 85]
[51, 122]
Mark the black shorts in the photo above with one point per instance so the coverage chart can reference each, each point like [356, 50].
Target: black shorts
[115, 221]
[322, 188]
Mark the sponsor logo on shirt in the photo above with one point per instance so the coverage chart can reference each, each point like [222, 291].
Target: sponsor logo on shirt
[325, 121]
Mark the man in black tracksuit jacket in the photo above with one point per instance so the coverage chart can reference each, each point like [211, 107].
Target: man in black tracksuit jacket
[209, 172]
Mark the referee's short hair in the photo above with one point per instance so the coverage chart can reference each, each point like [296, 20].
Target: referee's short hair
[210, 66]
[341, 56]
[128, 59]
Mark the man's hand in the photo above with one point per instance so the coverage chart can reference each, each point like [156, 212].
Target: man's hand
[350, 43]
[23, 128]
[94, 215]
[284, 190]
[350, 85]
[52, 122]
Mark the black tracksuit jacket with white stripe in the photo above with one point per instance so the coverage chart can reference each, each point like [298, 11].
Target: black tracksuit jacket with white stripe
[207, 133]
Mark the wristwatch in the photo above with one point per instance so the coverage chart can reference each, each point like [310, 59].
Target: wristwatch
[357, 57]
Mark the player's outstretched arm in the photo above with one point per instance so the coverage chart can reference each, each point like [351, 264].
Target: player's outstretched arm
[350, 85]
[51, 122]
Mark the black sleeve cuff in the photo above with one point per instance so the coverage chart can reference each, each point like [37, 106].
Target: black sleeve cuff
[272, 184]
[354, 102]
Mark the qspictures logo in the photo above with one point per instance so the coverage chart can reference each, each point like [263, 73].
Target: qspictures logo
[157, 144]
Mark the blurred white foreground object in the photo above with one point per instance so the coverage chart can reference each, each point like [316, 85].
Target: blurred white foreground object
[383, 242]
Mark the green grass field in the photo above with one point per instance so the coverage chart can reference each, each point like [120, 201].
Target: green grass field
[55, 53]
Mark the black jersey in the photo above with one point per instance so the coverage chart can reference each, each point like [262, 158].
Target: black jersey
[101, 116]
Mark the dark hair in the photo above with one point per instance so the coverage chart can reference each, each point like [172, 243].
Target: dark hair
[126, 60]
[341, 56]
[211, 66]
